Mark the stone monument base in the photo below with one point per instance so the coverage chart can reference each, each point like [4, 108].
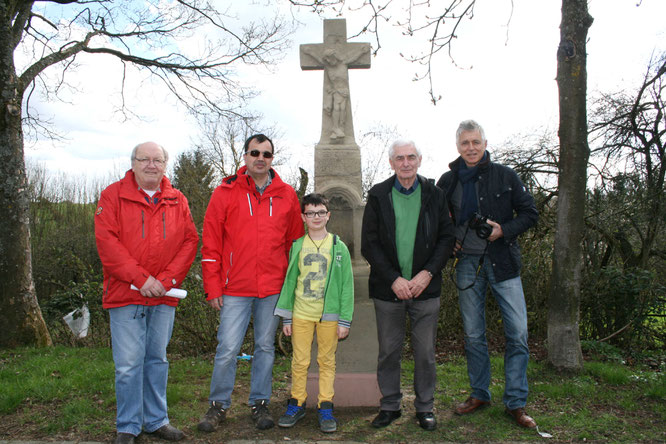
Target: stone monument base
[351, 390]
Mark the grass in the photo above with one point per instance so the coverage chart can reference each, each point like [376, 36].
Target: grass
[68, 393]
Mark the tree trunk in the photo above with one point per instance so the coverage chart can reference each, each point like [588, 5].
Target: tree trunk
[21, 321]
[564, 300]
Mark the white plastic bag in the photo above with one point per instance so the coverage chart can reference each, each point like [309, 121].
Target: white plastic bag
[78, 321]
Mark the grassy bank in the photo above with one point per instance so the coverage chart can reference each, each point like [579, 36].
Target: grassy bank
[68, 393]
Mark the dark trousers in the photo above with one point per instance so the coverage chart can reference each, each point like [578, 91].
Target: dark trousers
[391, 325]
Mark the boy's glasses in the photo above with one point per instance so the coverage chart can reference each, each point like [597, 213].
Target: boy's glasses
[311, 214]
[255, 153]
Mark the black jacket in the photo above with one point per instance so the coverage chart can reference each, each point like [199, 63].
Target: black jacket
[432, 246]
[501, 193]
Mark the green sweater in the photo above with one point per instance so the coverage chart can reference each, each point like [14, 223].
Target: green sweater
[406, 208]
[339, 290]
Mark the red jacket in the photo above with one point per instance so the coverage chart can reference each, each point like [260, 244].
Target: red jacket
[247, 236]
[137, 239]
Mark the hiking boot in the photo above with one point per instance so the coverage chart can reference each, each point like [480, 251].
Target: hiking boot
[261, 416]
[124, 438]
[169, 433]
[213, 418]
[327, 423]
[293, 414]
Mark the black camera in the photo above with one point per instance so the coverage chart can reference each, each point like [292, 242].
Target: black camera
[480, 224]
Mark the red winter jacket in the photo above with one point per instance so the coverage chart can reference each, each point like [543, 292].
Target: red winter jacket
[137, 239]
[247, 236]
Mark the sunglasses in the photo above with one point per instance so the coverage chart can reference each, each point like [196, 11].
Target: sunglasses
[255, 153]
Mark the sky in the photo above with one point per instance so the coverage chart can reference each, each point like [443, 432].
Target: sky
[503, 77]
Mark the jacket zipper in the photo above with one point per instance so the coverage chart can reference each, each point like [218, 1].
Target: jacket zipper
[270, 211]
[231, 262]
[249, 204]
[164, 225]
[143, 226]
[328, 278]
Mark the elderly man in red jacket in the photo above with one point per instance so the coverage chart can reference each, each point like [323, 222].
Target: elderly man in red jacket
[146, 240]
[251, 221]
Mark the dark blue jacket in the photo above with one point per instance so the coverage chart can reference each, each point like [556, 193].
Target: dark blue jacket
[503, 199]
[432, 246]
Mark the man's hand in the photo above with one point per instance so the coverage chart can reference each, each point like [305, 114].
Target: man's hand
[419, 283]
[342, 332]
[401, 288]
[286, 329]
[497, 231]
[152, 288]
[216, 303]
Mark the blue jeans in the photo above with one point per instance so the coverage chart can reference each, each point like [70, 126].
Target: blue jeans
[511, 300]
[139, 337]
[234, 319]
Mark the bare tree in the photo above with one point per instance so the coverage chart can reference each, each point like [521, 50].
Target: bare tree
[143, 36]
[631, 130]
[564, 299]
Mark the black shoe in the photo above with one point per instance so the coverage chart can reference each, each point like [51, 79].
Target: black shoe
[124, 438]
[261, 416]
[169, 433]
[385, 417]
[427, 420]
[213, 417]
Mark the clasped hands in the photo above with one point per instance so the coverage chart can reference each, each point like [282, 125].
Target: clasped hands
[413, 288]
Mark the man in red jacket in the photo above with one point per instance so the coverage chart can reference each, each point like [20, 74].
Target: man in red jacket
[251, 221]
[145, 239]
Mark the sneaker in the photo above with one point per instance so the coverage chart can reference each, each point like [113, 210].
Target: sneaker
[261, 416]
[213, 418]
[327, 423]
[293, 414]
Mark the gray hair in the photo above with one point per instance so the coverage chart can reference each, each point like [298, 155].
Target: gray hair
[402, 142]
[469, 125]
[164, 151]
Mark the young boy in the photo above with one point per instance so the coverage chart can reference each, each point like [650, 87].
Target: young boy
[317, 295]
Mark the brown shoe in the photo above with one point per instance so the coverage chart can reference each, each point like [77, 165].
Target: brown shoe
[470, 405]
[522, 418]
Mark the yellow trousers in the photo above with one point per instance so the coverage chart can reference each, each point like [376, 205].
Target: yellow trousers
[302, 334]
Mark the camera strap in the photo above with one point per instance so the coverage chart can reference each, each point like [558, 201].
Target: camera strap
[457, 259]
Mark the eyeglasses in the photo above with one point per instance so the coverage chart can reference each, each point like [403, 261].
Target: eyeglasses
[147, 161]
[255, 153]
[311, 214]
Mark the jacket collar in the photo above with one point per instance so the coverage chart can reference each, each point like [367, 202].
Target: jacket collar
[242, 179]
[483, 165]
[129, 189]
[387, 185]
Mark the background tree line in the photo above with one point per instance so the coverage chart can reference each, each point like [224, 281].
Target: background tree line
[624, 270]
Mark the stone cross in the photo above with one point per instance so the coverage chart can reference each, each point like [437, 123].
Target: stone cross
[335, 56]
[338, 176]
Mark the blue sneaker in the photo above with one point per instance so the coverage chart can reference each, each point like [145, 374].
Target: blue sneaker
[327, 423]
[293, 414]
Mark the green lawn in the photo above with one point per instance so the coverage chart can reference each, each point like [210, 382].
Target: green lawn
[68, 393]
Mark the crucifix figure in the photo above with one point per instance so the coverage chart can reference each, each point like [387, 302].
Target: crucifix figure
[335, 56]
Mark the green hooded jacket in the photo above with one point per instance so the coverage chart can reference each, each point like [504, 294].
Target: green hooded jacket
[339, 290]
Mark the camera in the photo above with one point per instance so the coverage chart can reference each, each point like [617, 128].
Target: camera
[480, 224]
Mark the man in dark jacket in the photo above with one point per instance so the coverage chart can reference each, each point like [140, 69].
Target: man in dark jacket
[488, 254]
[407, 236]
